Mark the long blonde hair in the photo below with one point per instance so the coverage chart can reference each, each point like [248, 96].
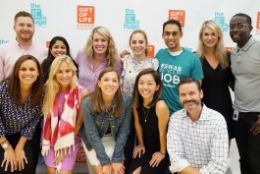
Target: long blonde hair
[52, 86]
[111, 53]
[220, 51]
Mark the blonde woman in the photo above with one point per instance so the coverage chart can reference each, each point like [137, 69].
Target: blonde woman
[60, 140]
[134, 63]
[216, 70]
[137, 61]
[100, 52]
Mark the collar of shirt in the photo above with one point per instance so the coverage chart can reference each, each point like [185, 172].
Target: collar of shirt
[90, 63]
[247, 45]
[19, 45]
[175, 53]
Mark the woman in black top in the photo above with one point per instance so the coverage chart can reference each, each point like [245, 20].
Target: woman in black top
[151, 117]
[58, 46]
[217, 72]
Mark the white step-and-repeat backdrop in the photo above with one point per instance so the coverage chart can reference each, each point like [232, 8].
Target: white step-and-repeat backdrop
[74, 19]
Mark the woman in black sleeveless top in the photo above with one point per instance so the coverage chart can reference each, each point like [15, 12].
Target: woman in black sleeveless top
[151, 117]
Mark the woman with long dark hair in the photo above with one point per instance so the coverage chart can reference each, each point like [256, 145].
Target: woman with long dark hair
[20, 112]
[58, 46]
[151, 115]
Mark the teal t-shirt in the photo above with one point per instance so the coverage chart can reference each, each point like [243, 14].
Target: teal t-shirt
[174, 68]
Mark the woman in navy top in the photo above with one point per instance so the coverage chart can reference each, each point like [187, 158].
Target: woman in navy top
[20, 113]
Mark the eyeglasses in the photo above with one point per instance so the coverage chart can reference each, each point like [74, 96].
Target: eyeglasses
[238, 26]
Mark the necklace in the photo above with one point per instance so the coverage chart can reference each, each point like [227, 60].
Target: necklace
[146, 113]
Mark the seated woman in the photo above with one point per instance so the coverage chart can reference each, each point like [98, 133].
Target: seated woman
[60, 140]
[20, 112]
[151, 116]
[106, 120]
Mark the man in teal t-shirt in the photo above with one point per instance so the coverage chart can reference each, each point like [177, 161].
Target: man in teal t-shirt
[175, 63]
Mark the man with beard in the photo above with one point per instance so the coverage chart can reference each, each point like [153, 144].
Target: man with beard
[9, 53]
[245, 65]
[197, 139]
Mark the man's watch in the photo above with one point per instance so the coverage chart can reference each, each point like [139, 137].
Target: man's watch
[5, 145]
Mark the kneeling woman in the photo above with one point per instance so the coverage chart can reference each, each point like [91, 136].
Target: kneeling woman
[20, 112]
[151, 117]
[60, 140]
[106, 118]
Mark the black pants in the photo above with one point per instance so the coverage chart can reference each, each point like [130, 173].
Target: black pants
[31, 149]
[143, 162]
[248, 144]
[129, 147]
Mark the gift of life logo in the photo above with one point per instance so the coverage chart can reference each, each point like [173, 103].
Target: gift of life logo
[47, 44]
[258, 23]
[85, 16]
[178, 15]
[150, 50]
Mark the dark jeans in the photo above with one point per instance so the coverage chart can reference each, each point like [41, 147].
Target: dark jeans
[247, 143]
[129, 147]
[30, 167]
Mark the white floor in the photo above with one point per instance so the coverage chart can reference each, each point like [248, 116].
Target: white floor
[233, 159]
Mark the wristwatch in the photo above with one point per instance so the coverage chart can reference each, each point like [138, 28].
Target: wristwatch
[5, 145]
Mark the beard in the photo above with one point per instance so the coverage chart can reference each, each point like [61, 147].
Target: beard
[196, 102]
[24, 37]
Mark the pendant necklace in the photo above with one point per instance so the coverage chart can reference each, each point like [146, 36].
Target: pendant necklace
[145, 114]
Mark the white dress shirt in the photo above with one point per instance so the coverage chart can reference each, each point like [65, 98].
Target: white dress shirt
[202, 144]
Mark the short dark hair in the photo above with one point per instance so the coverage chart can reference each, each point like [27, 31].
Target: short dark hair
[248, 18]
[13, 82]
[137, 98]
[23, 14]
[189, 80]
[174, 22]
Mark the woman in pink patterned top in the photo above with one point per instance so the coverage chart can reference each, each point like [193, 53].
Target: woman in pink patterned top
[62, 118]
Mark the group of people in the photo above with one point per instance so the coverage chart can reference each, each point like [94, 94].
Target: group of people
[132, 113]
